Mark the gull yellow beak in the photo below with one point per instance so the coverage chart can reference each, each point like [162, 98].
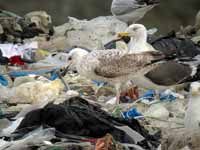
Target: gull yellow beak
[122, 34]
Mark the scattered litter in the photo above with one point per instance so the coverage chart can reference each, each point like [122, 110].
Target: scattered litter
[112, 101]
[149, 95]
[46, 106]
[3, 81]
[168, 95]
[100, 123]
[9, 50]
[157, 111]
[7, 131]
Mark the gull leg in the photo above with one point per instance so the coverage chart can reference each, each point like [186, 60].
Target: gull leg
[118, 91]
[99, 87]
[157, 92]
[118, 97]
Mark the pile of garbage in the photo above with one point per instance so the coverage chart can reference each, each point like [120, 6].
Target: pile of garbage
[44, 107]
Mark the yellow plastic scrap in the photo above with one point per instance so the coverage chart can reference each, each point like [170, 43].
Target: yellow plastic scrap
[41, 54]
[56, 84]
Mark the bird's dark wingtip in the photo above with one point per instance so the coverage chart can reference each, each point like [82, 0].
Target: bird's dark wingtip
[153, 2]
[148, 2]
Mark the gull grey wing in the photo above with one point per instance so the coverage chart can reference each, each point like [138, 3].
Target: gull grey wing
[169, 73]
[116, 66]
[123, 10]
[121, 7]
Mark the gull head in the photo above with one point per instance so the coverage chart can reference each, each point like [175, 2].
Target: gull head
[195, 89]
[74, 57]
[134, 31]
[138, 38]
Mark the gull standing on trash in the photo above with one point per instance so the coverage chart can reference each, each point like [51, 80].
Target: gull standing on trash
[167, 73]
[113, 66]
[192, 115]
[130, 11]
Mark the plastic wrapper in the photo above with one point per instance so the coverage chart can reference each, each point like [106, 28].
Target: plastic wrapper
[36, 137]
[32, 92]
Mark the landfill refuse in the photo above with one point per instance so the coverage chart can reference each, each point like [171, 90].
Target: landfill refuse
[46, 106]
[77, 119]
[181, 139]
[15, 28]
[32, 92]
[36, 137]
[149, 95]
[131, 114]
[107, 142]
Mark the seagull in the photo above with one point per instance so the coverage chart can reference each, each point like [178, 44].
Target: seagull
[168, 44]
[178, 70]
[130, 11]
[112, 66]
[192, 115]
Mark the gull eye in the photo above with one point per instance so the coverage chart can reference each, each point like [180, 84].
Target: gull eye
[70, 58]
[134, 29]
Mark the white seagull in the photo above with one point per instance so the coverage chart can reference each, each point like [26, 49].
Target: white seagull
[167, 73]
[192, 115]
[113, 66]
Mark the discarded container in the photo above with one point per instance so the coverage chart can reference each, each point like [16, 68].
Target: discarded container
[3, 80]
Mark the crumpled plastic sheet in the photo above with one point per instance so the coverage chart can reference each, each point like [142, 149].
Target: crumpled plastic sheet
[9, 50]
[36, 137]
[72, 110]
[32, 92]
[3, 80]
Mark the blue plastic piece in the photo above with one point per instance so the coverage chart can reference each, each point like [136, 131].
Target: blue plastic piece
[167, 97]
[131, 114]
[15, 74]
[149, 95]
[54, 75]
[3, 80]
[99, 83]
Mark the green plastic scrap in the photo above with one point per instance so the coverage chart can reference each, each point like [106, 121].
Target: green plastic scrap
[55, 148]
[1, 113]
[117, 111]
